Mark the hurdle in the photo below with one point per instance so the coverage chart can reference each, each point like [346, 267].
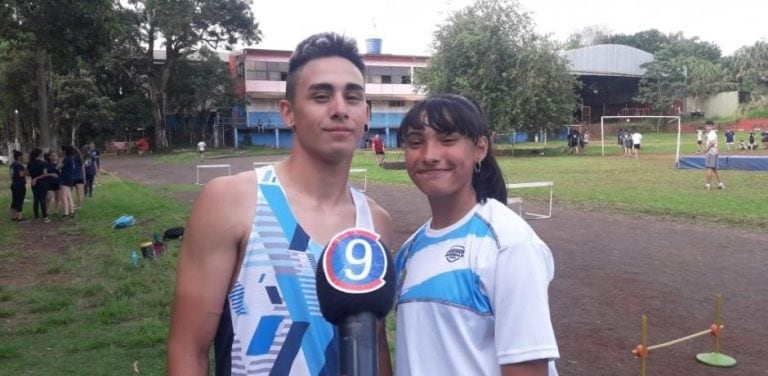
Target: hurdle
[714, 358]
[228, 167]
[257, 164]
[364, 172]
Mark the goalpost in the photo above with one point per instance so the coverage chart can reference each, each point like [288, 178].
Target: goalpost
[673, 118]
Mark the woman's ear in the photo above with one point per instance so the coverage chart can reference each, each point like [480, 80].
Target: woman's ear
[481, 148]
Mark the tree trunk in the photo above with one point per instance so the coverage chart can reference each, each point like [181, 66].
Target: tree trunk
[43, 95]
[161, 143]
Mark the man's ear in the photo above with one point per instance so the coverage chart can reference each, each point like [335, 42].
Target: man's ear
[286, 113]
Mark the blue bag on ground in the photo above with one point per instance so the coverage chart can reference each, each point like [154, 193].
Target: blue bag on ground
[124, 221]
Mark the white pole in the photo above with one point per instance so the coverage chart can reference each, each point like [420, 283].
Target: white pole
[602, 135]
[677, 153]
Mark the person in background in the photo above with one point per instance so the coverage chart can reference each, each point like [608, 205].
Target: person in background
[764, 139]
[251, 244]
[637, 139]
[78, 178]
[201, 150]
[472, 281]
[700, 139]
[712, 155]
[730, 135]
[378, 149]
[752, 145]
[67, 178]
[18, 176]
[53, 196]
[90, 176]
[627, 137]
[95, 155]
[36, 169]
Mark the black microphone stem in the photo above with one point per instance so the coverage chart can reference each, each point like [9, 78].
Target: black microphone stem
[359, 345]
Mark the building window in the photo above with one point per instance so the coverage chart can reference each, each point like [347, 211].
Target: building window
[396, 103]
[386, 79]
[266, 70]
[405, 80]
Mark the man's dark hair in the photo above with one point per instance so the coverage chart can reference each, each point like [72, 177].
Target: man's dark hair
[319, 46]
[17, 154]
[709, 122]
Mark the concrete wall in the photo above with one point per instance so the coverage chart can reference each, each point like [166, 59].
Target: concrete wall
[722, 104]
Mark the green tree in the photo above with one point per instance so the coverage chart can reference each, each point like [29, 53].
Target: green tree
[207, 84]
[588, 36]
[182, 27]
[682, 67]
[60, 35]
[749, 68]
[490, 52]
[650, 40]
[79, 102]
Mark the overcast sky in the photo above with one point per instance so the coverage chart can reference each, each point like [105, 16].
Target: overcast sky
[406, 26]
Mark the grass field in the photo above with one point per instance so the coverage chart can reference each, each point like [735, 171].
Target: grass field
[93, 313]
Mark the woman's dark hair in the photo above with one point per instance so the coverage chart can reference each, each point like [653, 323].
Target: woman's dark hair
[449, 113]
[17, 154]
[35, 153]
[318, 46]
[69, 150]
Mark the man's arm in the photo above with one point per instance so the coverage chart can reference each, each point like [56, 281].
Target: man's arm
[207, 262]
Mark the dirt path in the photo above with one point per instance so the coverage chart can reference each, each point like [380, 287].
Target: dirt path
[611, 268]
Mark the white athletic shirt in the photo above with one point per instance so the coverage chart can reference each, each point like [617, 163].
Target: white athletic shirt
[201, 146]
[637, 138]
[712, 140]
[473, 296]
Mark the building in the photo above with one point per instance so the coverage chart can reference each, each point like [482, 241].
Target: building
[609, 74]
[261, 75]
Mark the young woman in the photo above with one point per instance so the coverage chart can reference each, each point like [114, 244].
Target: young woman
[36, 169]
[18, 185]
[79, 177]
[67, 179]
[472, 282]
[53, 196]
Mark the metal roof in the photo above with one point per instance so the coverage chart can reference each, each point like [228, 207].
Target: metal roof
[607, 60]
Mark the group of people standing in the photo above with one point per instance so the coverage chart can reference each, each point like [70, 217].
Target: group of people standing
[58, 185]
[577, 141]
[630, 142]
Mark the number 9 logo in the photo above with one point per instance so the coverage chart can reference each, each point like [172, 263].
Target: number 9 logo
[355, 261]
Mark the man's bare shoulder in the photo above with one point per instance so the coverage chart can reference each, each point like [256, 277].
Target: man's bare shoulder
[228, 200]
[233, 188]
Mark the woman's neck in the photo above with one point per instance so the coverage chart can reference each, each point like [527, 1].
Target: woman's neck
[448, 210]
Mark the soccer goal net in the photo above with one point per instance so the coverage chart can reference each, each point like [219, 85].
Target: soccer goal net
[620, 124]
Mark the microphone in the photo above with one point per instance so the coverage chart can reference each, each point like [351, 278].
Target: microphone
[355, 288]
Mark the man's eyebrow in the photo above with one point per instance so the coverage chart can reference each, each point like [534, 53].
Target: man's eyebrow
[354, 87]
[321, 87]
[324, 86]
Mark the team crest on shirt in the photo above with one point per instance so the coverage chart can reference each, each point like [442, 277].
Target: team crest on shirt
[456, 252]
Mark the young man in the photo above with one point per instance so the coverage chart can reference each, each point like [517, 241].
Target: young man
[201, 150]
[730, 135]
[246, 276]
[378, 149]
[637, 139]
[18, 185]
[712, 156]
[699, 139]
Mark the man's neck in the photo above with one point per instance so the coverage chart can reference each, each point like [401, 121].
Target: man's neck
[314, 178]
